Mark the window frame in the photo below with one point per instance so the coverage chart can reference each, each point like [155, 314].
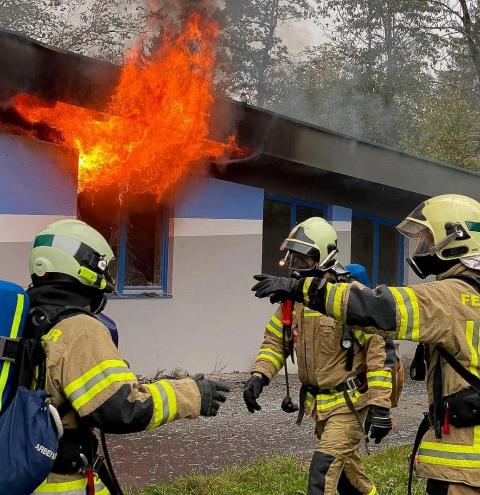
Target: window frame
[123, 291]
[377, 221]
[294, 203]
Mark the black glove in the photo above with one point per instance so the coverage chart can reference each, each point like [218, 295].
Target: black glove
[278, 288]
[378, 423]
[253, 389]
[211, 395]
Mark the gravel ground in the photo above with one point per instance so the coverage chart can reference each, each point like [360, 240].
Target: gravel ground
[237, 437]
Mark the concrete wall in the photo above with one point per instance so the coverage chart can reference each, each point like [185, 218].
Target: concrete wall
[37, 186]
[211, 322]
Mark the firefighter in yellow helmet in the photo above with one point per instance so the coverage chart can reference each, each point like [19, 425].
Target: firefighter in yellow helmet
[345, 373]
[443, 314]
[90, 383]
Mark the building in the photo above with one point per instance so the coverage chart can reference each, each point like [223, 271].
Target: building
[185, 268]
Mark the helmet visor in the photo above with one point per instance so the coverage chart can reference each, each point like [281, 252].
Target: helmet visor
[410, 229]
[425, 243]
[298, 246]
[298, 261]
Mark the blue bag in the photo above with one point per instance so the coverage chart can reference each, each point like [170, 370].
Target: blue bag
[14, 307]
[28, 443]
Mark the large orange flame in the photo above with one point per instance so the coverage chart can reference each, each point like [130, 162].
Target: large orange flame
[156, 125]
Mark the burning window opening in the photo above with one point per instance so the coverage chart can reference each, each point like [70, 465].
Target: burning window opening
[155, 128]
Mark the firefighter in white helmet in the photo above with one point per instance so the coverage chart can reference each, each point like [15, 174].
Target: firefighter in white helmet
[90, 383]
[443, 314]
[345, 373]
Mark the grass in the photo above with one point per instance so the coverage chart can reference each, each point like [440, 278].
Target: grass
[286, 476]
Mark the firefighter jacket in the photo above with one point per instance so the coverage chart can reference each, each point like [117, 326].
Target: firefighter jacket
[322, 361]
[85, 368]
[443, 313]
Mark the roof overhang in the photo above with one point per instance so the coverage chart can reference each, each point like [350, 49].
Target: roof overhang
[280, 144]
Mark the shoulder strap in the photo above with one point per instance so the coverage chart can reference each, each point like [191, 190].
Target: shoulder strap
[469, 377]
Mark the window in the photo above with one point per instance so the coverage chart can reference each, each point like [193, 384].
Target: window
[280, 215]
[138, 235]
[378, 246]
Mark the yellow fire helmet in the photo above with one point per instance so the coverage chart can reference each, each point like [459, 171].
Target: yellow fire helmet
[74, 249]
[447, 228]
[312, 244]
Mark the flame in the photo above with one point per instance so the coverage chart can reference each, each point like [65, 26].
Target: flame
[156, 125]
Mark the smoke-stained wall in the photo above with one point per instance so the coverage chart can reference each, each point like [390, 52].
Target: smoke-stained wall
[38, 185]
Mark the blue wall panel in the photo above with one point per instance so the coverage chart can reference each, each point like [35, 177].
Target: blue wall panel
[213, 198]
[36, 178]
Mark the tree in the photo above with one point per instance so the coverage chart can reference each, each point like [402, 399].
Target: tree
[390, 59]
[448, 130]
[459, 19]
[96, 28]
[252, 53]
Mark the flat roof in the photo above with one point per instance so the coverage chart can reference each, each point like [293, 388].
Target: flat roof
[38, 69]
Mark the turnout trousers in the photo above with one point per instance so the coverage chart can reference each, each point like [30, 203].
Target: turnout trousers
[336, 463]
[438, 487]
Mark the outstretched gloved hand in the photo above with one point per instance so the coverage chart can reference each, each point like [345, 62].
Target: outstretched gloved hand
[253, 389]
[277, 288]
[211, 395]
[378, 423]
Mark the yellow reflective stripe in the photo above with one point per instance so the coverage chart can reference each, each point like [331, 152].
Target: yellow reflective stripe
[277, 321]
[80, 381]
[327, 401]
[402, 309]
[164, 403]
[415, 336]
[17, 318]
[157, 406]
[476, 438]
[329, 298]
[273, 330]
[373, 491]
[450, 447]
[308, 313]
[380, 384]
[72, 487]
[385, 373]
[407, 305]
[473, 338]
[306, 287]
[337, 301]
[442, 461]
[101, 386]
[270, 355]
[381, 378]
[94, 381]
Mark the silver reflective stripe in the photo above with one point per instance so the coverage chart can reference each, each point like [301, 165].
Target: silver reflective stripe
[331, 298]
[166, 406]
[408, 305]
[94, 380]
[67, 244]
[271, 354]
[387, 379]
[449, 455]
[43, 490]
[275, 325]
[476, 338]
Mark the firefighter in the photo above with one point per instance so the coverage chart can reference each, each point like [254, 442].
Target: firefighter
[443, 314]
[90, 383]
[344, 372]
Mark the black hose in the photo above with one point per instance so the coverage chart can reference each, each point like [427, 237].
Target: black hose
[109, 465]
